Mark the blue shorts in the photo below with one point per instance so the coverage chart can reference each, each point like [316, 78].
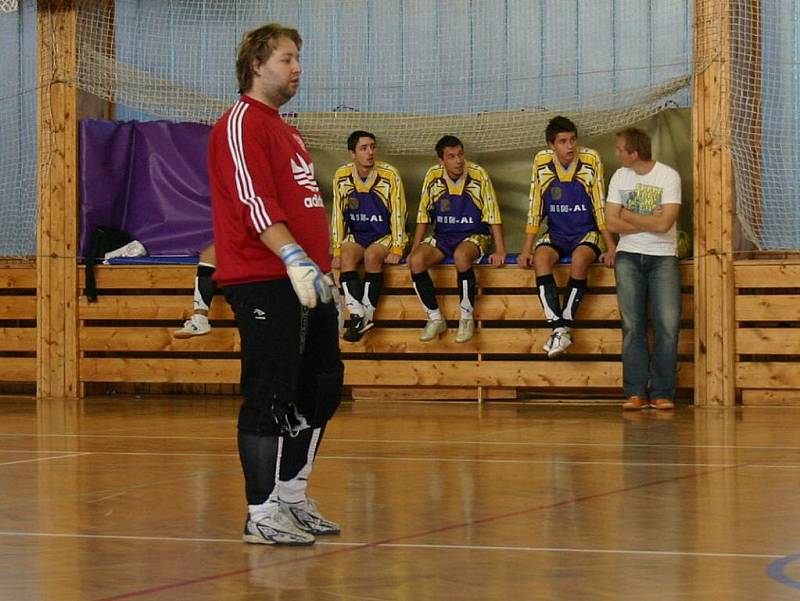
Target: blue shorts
[365, 240]
[566, 245]
[448, 243]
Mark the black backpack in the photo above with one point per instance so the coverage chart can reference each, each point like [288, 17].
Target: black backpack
[104, 240]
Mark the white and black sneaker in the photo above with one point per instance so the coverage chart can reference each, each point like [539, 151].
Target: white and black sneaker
[276, 528]
[560, 340]
[358, 327]
[307, 517]
[196, 325]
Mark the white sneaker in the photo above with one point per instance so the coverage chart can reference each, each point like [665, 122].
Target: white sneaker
[433, 329]
[548, 345]
[196, 325]
[466, 330]
[560, 340]
[276, 528]
[131, 249]
[307, 517]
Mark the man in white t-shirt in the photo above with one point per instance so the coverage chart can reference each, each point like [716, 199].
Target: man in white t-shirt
[642, 206]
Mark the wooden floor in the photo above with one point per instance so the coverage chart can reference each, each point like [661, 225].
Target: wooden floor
[143, 499]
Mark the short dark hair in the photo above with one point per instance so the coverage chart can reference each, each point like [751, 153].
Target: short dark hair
[352, 139]
[258, 44]
[559, 125]
[637, 141]
[447, 142]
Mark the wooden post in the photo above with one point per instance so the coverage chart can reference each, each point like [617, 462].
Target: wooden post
[57, 230]
[713, 211]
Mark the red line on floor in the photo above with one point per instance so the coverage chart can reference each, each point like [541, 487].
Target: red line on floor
[491, 518]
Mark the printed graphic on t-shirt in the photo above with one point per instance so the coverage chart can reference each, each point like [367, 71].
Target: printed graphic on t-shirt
[643, 199]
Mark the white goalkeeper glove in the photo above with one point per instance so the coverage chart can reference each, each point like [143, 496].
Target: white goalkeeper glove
[308, 281]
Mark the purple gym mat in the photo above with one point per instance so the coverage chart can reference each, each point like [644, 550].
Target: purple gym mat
[148, 178]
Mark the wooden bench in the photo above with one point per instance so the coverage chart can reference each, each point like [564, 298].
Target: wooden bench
[125, 338]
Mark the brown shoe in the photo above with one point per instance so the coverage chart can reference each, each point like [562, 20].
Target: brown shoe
[664, 404]
[634, 403]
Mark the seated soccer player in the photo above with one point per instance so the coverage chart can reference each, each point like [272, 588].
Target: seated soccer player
[368, 223]
[204, 289]
[567, 189]
[459, 200]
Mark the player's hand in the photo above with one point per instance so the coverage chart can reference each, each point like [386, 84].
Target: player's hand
[392, 259]
[608, 258]
[336, 262]
[498, 259]
[525, 259]
[309, 283]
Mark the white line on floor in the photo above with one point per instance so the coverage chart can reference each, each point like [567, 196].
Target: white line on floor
[710, 554]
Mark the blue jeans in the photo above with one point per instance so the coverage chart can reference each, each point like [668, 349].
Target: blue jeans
[642, 281]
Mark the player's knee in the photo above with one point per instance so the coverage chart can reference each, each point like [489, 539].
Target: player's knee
[416, 262]
[373, 257]
[349, 261]
[208, 255]
[543, 262]
[328, 394]
[462, 261]
[257, 413]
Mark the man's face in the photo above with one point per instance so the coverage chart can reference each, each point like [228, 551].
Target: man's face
[564, 146]
[453, 161]
[278, 77]
[364, 154]
[627, 159]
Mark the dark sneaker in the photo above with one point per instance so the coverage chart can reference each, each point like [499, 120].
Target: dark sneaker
[358, 327]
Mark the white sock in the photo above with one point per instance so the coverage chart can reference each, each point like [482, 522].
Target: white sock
[259, 512]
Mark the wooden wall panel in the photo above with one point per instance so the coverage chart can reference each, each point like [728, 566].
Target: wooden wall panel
[126, 338]
[768, 331]
[18, 335]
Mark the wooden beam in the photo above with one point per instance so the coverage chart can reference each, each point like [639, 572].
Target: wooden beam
[777, 307]
[448, 373]
[57, 228]
[494, 307]
[17, 369]
[18, 276]
[767, 274]
[177, 277]
[768, 341]
[713, 211]
[384, 340]
[771, 375]
[770, 398]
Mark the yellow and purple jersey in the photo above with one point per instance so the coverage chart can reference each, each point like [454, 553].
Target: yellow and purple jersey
[368, 209]
[571, 198]
[466, 206]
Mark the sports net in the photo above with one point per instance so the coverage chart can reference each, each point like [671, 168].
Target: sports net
[763, 133]
[409, 70]
[491, 71]
[17, 129]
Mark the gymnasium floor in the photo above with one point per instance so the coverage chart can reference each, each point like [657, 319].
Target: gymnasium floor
[119, 498]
